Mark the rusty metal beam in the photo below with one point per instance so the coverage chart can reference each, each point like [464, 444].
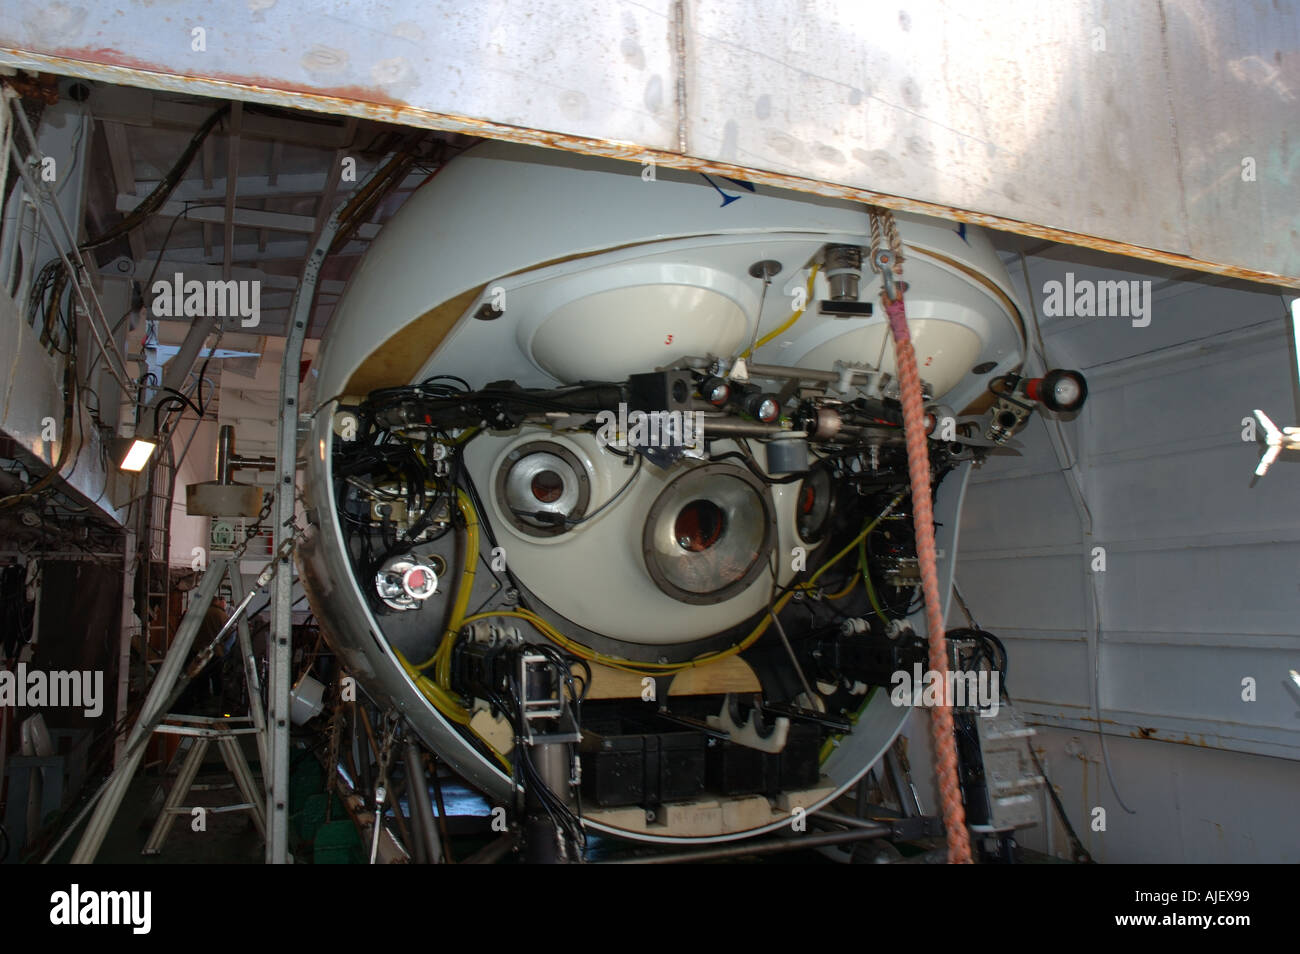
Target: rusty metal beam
[1153, 130]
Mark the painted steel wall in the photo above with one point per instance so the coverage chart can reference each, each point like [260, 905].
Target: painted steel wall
[1163, 127]
[1200, 588]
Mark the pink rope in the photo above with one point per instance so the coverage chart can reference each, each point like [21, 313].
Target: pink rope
[918, 464]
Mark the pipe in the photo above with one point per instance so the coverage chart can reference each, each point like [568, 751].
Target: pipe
[494, 851]
[417, 793]
[442, 810]
[839, 818]
[225, 453]
[545, 842]
[735, 427]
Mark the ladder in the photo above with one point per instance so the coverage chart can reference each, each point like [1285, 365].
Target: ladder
[155, 557]
[199, 732]
[167, 686]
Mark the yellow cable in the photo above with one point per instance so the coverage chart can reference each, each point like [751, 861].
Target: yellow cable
[789, 322]
[829, 745]
[854, 542]
[584, 652]
[442, 656]
[871, 590]
[441, 699]
[853, 582]
[447, 705]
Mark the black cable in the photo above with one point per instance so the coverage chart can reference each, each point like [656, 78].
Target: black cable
[184, 397]
[203, 406]
[610, 502]
[1081, 854]
[162, 192]
[447, 377]
[71, 389]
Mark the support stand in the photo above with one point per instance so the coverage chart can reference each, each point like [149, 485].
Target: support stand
[200, 732]
[167, 687]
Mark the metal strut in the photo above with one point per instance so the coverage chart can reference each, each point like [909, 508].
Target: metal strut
[171, 681]
[286, 465]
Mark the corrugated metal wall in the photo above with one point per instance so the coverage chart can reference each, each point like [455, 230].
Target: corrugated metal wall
[1200, 589]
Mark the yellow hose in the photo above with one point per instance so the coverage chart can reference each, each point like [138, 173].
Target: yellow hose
[442, 656]
[445, 703]
[789, 322]
[853, 582]
[441, 699]
[583, 652]
[866, 574]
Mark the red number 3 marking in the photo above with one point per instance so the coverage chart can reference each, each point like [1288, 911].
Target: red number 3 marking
[668, 340]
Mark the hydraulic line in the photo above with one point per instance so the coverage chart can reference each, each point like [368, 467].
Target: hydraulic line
[918, 463]
[808, 292]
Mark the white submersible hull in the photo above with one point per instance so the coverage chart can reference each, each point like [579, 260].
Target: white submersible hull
[566, 424]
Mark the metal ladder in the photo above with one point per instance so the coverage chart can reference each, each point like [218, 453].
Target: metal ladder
[154, 717]
[156, 558]
[199, 732]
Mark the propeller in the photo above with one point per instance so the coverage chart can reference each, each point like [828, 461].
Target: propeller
[1277, 442]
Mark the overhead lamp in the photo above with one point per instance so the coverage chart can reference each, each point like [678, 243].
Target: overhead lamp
[132, 453]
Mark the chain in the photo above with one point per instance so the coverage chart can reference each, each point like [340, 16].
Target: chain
[381, 781]
[254, 529]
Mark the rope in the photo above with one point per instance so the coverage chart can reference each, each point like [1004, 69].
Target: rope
[918, 463]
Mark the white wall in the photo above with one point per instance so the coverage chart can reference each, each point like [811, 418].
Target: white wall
[1200, 588]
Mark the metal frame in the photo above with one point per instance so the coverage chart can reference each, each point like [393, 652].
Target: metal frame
[280, 650]
[207, 731]
[151, 713]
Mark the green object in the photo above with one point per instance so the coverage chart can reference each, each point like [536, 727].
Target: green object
[306, 779]
[307, 822]
[337, 843]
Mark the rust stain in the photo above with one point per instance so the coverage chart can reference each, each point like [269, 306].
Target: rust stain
[369, 103]
[1154, 734]
[1088, 718]
[107, 56]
